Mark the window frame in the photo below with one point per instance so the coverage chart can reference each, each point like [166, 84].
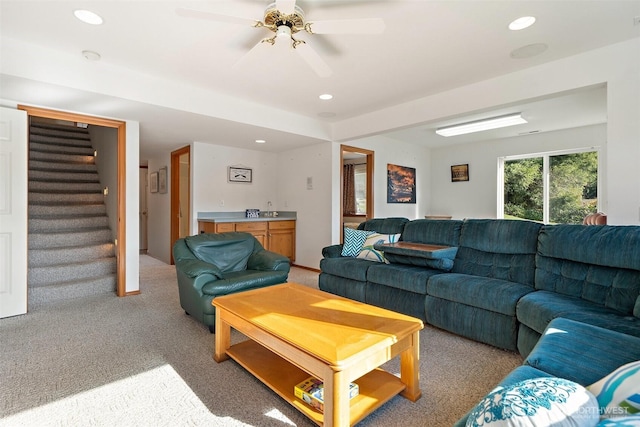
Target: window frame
[545, 177]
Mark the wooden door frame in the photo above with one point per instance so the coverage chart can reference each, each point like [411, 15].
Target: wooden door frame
[175, 193]
[121, 232]
[370, 162]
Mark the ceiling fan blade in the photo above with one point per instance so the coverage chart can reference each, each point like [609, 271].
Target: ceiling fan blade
[251, 53]
[286, 6]
[211, 16]
[347, 26]
[314, 60]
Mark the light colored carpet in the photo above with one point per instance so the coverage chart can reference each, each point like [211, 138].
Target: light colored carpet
[141, 361]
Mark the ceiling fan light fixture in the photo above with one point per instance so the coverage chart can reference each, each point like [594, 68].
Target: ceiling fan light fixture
[482, 125]
[283, 31]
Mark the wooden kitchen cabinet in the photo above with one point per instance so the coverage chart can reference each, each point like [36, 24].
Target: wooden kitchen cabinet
[275, 236]
[282, 238]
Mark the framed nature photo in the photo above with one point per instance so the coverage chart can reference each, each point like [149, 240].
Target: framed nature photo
[401, 184]
[460, 173]
[237, 174]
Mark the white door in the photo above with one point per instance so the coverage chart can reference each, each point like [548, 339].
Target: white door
[13, 212]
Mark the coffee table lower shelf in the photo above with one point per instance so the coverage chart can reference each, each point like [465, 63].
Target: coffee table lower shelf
[376, 388]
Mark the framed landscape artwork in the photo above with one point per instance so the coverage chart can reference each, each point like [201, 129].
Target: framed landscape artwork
[401, 184]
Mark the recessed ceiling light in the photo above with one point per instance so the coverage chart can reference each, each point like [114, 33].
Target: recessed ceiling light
[90, 55]
[260, 141]
[326, 96]
[88, 17]
[522, 23]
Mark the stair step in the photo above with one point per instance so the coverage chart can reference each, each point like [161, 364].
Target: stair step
[43, 276]
[60, 158]
[37, 210]
[38, 165]
[67, 223]
[64, 187]
[62, 198]
[54, 140]
[39, 175]
[45, 295]
[53, 256]
[42, 240]
[67, 132]
[61, 148]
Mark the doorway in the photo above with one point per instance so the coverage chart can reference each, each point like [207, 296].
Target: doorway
[363, 160]
[120, 240]
[180, 195]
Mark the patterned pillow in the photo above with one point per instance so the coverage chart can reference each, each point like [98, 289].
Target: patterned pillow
[618, 393]
[537, 402]
[353, 241]
[630, 421]
[372, 254]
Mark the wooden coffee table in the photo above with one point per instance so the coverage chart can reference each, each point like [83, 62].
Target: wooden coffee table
[296, 332]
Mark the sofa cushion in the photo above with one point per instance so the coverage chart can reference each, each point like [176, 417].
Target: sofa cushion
[349, 268]
[354, 241]
[434, 232]
[369, 252]
[500, 249]
[398, 276]
[598, 264]
[227, 251]
[495, 295]
[391, 225]
[535, 402]
[581, 352]
[539, 308]
[237, 281]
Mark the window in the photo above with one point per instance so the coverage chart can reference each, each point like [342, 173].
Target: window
[556, 188]
[360, 172]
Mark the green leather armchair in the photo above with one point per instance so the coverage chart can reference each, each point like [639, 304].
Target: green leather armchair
[210, 265]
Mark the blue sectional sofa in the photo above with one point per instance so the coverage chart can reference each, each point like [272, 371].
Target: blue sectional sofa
[510, 283]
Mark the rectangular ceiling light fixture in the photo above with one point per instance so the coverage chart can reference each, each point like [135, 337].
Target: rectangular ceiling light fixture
[480, 125]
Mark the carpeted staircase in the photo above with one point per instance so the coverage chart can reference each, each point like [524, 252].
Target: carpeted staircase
[71, 250]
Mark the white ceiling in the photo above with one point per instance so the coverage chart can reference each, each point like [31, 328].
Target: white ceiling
[427, 47]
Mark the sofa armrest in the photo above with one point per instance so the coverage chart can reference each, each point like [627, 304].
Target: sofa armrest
[267, 260]
[333, 251]
[194, 267]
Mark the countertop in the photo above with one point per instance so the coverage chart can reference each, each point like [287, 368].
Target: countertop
[221, 217]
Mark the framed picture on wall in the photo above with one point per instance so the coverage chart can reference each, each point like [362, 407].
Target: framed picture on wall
[238, 174]
[401, 184]
[162, 180]
[460, 173]
[153, 182]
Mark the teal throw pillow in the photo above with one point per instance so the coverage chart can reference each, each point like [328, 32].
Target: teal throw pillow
[618, 393]
[370, 253]
[537, 402]
[353, 241]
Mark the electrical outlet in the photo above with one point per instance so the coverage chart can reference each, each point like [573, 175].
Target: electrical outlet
[636, 20]
[286, 204]
[221, 202]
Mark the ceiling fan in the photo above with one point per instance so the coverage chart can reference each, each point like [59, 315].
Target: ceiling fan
[284, 18]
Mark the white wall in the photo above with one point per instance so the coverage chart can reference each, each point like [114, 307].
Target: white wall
[132, 200]
[313, 206]
[105, 141]
[477, 198]
[387, 151]
[617, 66]
[212, 193]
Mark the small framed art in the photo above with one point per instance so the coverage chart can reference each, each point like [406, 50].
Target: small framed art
[237, 174]
[162, 180]
[460, 173]
[153, 182]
